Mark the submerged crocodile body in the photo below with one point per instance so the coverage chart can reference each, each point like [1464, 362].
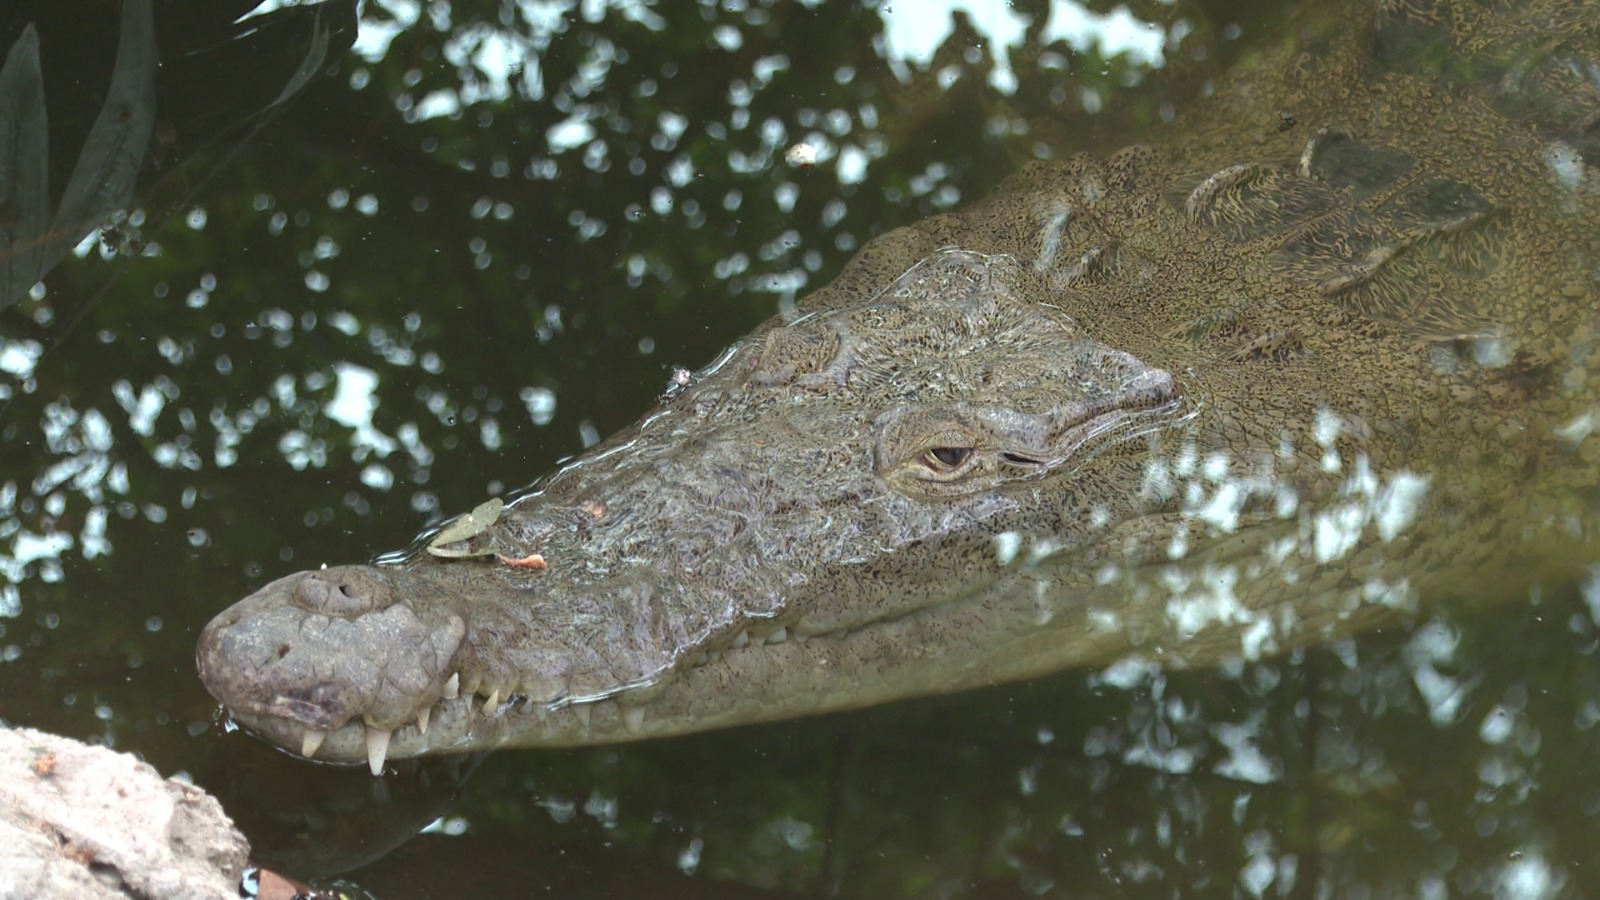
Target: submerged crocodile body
[1225, 395]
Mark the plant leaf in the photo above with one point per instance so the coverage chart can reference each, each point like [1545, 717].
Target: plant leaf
[108, 167]
[24, 169]
[316, 56]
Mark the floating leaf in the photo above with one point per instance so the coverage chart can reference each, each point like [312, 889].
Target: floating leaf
[465, 528]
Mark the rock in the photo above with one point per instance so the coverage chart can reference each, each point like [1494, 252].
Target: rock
[81, 822]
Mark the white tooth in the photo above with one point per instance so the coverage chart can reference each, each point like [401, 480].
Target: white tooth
[491, 704]
[779, 636]
[582, 710]
[633, 719]
[452, 688]
[422, 718]
[310, 741]
[741, 640]
[377, 749]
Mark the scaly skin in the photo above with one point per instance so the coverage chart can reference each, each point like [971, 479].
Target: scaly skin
[1222, 397]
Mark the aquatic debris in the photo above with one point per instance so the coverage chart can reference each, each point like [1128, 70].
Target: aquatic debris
[533, 561]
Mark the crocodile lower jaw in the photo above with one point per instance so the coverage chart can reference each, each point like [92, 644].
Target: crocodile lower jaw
[464, 722]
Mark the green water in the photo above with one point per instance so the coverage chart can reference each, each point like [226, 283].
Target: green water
[337, 320]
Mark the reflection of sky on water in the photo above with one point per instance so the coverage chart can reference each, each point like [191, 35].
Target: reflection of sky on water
[912, 32]
[504, 60]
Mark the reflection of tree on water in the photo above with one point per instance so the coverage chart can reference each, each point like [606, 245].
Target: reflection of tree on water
[369, 317]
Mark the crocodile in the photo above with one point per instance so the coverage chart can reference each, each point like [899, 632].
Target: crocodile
[1240, 389]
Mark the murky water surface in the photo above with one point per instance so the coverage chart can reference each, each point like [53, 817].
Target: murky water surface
[484, 240]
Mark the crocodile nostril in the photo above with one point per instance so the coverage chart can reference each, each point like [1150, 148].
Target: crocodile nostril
[344, 592]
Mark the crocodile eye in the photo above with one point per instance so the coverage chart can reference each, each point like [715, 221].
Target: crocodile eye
[946, 458]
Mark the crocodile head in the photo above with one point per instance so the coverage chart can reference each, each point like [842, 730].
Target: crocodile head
[796, 510]
[1258, 387]
[1070, 442]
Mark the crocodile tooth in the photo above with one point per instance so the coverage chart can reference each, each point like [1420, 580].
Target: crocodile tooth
[422, 719]
[583, 711]
[740, 640]
[491, 704]
[633, 719]
[452, 688]
[779, 636]
[377, 749]
[310, 741]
